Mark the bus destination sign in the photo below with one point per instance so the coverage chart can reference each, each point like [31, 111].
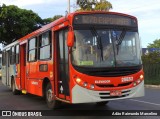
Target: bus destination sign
[105, 19]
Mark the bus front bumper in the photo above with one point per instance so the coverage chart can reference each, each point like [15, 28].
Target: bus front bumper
[83, 95]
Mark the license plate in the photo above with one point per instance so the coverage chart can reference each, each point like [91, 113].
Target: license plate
[116, 93]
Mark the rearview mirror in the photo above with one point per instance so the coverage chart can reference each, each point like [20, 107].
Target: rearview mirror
[70, 39]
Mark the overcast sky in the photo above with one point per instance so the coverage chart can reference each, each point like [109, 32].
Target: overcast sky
[147, 12]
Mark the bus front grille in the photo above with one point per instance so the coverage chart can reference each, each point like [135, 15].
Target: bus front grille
[112, 86]
[109, 72]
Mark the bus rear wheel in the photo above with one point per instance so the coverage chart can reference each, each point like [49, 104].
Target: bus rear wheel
[102, 103]
[13, 86]
[52, 103]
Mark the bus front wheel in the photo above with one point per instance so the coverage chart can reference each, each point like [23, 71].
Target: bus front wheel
[52, 103]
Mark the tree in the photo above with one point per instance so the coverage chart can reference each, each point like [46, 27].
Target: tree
[103, 5]
[16, 22]
[49, 20]
[86, 4]
[155, 44]
[152, 57]
[89, 5]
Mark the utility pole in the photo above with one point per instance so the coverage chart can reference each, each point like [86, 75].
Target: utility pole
[69, 4]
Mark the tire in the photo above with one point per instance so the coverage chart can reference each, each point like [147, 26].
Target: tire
[51, 103]
[14, 90]
[102, 103]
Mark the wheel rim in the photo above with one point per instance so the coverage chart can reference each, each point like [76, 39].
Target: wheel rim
[49, 95]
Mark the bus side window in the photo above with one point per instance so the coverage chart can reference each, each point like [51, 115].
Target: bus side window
[32, 50]
[4, 58]
[0, 62]
[12, 55]
[44, 50]
[17, 54]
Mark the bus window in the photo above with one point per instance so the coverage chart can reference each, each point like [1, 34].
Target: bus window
[3, 58]
[17, 54]
[32, 50]
[12, 55]
[0, 60]
[45, 46]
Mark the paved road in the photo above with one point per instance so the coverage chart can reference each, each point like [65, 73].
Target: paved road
[151, 101]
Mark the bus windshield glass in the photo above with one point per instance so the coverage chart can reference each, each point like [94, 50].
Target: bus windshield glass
[106, 48]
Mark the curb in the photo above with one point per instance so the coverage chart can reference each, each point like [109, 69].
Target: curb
[152, 86]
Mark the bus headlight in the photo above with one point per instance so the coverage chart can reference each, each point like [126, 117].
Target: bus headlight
[138, 81]
[78, 80]
[134, 84]
[141, 77]
[92, 86]
[85, 84]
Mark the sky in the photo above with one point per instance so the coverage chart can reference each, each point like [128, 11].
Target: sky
[147, 12]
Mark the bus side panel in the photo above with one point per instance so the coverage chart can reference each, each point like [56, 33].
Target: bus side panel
[17, 77]
[4, 75]
[12, 73]
[32, 77]
[34, 86]
[36, 76]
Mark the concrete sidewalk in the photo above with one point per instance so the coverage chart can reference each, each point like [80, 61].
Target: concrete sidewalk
[152, 86]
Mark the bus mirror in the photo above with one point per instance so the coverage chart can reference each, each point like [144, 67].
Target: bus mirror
[70, 40]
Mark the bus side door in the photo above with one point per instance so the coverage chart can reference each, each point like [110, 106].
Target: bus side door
[32, 66]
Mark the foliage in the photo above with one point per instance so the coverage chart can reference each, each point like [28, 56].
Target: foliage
[85, 4]
[49, 20]
[152, 73]
[103, 6]
[89, 5]
[152, 57]
[155, 44]
[16, 22]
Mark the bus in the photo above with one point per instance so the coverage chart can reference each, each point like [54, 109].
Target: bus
[83, 57]
[0, 63]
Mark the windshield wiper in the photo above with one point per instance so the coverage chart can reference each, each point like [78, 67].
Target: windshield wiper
[119, 41]
[99, 41]
[121, 37]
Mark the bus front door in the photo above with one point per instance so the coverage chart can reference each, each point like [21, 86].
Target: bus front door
[62, 67]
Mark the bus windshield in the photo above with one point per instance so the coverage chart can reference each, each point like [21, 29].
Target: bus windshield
[106, 48]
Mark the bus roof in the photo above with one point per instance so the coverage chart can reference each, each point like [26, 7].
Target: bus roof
[60, 20]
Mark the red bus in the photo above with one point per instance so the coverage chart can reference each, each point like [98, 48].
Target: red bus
[83, 57]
